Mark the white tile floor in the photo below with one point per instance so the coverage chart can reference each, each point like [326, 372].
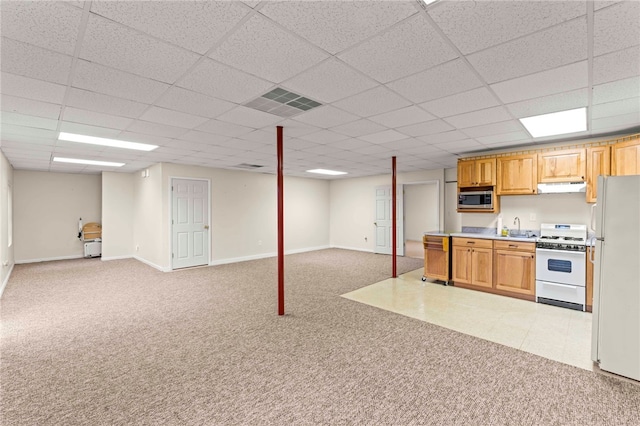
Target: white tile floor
[559, 334]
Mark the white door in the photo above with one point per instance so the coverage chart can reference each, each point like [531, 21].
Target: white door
[190, 223]
[383, 220]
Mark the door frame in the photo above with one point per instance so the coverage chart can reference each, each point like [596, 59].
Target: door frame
[170, 221]
[404, 211]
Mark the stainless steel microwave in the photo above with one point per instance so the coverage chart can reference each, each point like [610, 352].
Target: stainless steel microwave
[475, 200]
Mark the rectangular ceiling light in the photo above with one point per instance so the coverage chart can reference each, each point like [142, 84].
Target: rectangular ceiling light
[89, 162]
[556, 123]
[326, 172]
[114, 143]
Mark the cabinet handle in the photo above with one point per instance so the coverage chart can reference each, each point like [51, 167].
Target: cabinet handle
[533, 190]
[513, 246]
[532, 256]
[471, 242]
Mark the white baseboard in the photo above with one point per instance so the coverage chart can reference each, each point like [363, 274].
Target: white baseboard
[6, 280]
[263, 255]
[353, 248]
[153, 265]
[49, 259]
[117, 257]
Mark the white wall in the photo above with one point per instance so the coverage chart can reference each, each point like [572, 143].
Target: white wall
[47, 207]
[148, 225]
[352, 204]
[421, 207]
[6, 250]
[452, 219]
[547, 208]
[117, 215]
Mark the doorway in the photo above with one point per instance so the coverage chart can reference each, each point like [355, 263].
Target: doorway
[189, 223]
[383, 220]
[421, 214]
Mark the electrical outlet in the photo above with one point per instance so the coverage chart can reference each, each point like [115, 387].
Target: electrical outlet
[137, 248]
[532, 217]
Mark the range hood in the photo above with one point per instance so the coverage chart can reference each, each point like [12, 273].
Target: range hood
[561, 187]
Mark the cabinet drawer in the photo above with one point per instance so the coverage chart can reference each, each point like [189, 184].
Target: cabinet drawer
[473, 242]
[514, 245]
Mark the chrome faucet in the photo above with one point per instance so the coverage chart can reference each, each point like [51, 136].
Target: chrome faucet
[514, 222]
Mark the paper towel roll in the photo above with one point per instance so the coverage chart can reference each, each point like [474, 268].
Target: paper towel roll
[499, 225]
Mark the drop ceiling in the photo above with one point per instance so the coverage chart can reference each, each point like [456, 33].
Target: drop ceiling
[427, 84]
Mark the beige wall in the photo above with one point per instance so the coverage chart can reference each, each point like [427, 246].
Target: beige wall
[47, 207]
[352, 205]
[148, 215]
[421, 207]
[117, 215]
[6, 250]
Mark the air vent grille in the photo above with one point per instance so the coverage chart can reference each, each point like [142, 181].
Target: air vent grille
[248, 166]
[282, 103]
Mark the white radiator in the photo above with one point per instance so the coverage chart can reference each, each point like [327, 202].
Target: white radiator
[93, 249]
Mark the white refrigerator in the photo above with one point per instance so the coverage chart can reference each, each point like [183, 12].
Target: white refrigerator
[616, 286]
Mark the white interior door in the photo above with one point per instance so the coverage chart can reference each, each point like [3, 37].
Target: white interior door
[383, 220]
[190, 223]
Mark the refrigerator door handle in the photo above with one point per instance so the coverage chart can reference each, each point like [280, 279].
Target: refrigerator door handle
[593, 217]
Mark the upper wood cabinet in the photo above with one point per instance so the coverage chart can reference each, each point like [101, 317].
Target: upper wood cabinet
[625, 158]
[598, 163]
[477, 172]
[517, 174]
[568, 165]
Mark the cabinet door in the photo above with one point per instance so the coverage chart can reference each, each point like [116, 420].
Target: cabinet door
[517, 174]
[598, 163]
[515, 271]
[482, 267]
[486, 172]
[568, 165]
[436, 257]
[461, 265]
[466, 173]
[625, 158]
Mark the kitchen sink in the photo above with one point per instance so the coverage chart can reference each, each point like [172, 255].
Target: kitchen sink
[516, 234]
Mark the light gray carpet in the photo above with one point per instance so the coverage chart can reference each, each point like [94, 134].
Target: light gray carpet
[114, 343]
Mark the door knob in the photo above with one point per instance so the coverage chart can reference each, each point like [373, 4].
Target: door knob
[206, 227]
[375, 223]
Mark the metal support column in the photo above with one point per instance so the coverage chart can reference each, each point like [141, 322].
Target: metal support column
[280, 225]
[394, 212]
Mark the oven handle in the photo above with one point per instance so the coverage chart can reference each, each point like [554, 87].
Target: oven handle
[560, 285]
[542, 250]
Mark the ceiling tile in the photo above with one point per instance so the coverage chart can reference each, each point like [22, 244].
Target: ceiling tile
[262, 136]
[249, 117]
[409, 47]
[443, 80]
[12, 129]
[352, 143]
[223, 128]
[145, 138]
[324, 137]
[95, 118]
[616, 121]
[203, 137]
[428, 128]
[28, 121]
[261, 48]
[98, 102]
[473, 26]
[108, 43]
[453, 135]
[186, 24]
[326, 116]
[626, 106]
[329, 81]
[334, 26]
[179, 99]
[460, 103]
[504, 137]
[552, 103]
[402, 117]
[359, 128]
[172, 118]
[383, 137]
[89, 130]
[616, 27]
[562, 79]
[372, 102]
[403, 144]
[524, 55]
[34, 62]
[617, 65]
[30, 107]
[229, 84]
[493, 129]
[156, 129]
[98, 78]
[476, 118]
[29, 88]
[458, 147]
[616, 90]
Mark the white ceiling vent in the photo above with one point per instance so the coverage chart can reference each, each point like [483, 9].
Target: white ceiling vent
[282, 103]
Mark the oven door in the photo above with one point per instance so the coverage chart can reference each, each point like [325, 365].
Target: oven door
[561, 266]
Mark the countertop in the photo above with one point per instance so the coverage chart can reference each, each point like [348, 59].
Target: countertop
[481, 235]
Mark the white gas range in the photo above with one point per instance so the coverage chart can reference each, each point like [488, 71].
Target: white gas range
[561, 265]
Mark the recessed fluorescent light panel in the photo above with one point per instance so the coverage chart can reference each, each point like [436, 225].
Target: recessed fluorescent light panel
[425, 3]
[88, 162]
[556, 123]
[114, 143]
[326, 172]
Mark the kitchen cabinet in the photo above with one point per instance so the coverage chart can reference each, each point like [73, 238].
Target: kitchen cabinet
[436, 257]
[598, 163]
[517, 174]
[472, 262]
[472, 173]
[567, 165]
[589, 278]
[625, 158]
[515, 267]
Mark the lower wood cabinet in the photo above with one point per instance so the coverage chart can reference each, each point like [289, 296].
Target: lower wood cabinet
[473, 262]
[515, 268]
[436, 257]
